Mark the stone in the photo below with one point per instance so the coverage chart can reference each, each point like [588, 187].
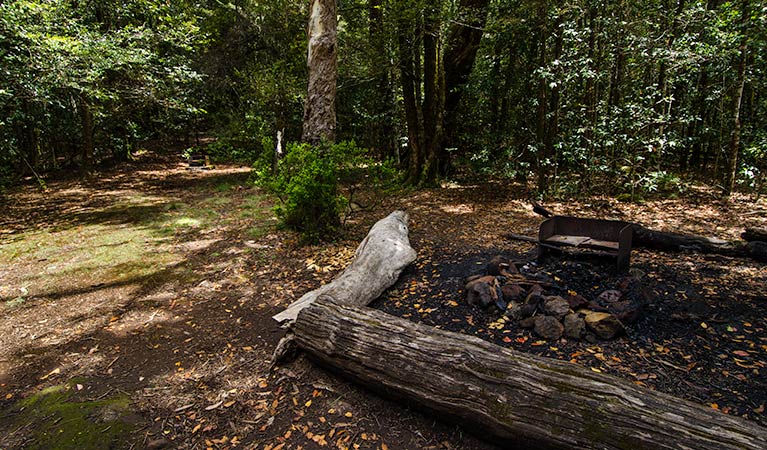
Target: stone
[610, 296]
[471, 278]
[594, 306]
[512, 292]
[536, 289]
[535, 295]
[604, 325]
[626, 311]
[496, 265]
[519, 312]
[482, 291]
[500, 265]
[548, 328]
[157, 444]
[527, 323]
[556, 307]
[576, 301]
[575, 326]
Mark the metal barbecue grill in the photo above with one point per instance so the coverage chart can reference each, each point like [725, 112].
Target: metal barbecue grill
[609, 237]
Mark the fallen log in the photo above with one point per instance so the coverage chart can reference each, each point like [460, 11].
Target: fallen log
[523, 400]
[754, 234]
[378, 262]
[666, 241]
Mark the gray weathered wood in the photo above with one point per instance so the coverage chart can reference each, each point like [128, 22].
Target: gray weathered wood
[522, 400]
[379, 260]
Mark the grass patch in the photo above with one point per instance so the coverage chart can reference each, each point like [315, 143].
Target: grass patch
[55, 421]
[128, 241]
[85, 255]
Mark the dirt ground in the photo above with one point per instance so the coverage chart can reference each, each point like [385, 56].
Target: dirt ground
[136, 311]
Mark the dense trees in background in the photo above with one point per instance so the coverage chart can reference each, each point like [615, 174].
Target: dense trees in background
[620, 96]
[82, 80]
[612, 96]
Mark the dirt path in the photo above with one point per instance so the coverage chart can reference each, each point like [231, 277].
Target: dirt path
[135, 309]
[136, 314]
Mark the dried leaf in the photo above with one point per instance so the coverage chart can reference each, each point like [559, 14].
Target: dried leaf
[214, 406]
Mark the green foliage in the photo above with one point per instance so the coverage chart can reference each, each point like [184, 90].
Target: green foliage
[310, 182]
[125, 65]
[223, 150]
[577, 92]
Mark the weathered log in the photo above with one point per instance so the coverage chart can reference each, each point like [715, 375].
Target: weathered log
[754, 234]
[378, 262]
[520, 237]
[661, 240]
[757, 250]
[541, 210]
[666, 241]
[523, 400]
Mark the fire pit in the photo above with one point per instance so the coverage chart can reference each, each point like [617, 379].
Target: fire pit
[531, 298]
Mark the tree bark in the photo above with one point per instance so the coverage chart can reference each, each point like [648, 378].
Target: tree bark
[433, 93]
[410, 78]
[383, 104]
[541, 159]
[461, 49]
[378, 262]
[320, 108]
[732, 163]
[86, 125]
[523, 400]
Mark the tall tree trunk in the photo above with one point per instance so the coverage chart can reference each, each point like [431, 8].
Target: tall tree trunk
[383, 106]
[553, 115]
[461, 49]
[696, 128]
[410, 79]
[320, 108]
[732, 166]
[434, 100]
[86, 125]
[540, 130]
[662, 105]
[590, 94]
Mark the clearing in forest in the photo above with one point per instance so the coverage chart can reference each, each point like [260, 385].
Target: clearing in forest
[136, 311]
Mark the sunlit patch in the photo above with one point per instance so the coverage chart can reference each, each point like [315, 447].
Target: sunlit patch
[457, 209]
[135, 321]
[202, 244]
[187, 222]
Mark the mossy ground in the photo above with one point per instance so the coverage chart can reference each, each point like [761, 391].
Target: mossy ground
[54, 419]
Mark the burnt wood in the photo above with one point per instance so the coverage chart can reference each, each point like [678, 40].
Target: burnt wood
[520, 400]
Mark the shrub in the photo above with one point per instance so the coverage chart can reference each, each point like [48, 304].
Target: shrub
[309, 182]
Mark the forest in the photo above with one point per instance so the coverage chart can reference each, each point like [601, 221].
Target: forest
[622, 98]
[383, 224]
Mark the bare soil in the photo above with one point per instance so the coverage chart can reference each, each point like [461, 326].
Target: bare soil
[156, 283]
